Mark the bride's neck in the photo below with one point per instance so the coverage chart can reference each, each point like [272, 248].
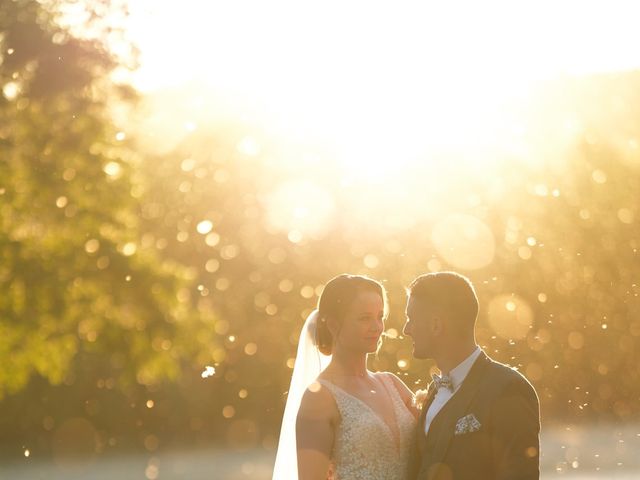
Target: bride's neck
[349, 363]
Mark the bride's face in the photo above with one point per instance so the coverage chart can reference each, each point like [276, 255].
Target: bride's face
[362, 325]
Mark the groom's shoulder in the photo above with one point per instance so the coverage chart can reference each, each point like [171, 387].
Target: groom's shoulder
[508, 377]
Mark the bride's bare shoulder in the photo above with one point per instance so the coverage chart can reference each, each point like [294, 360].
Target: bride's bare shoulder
[318, 403]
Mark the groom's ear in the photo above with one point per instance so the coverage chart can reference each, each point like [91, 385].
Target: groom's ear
[437, 325]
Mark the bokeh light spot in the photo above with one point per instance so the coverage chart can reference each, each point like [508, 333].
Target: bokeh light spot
[307, 291]
[11, 90]
[625, 215]
[223, 284]
[221, 327]
[315, 387]
[212, 265]
[510, 316]
[371, 261]
[204, 227]
[113, 169]
[151, 443]
[187, 165]
[271, 309]
[301, 209]
[92, 246]
[464, 241]
[250, 348]
[576, 340]
[212, 239]
[285, 285]
[129, 249]
[248, 146]
[228, 411]
[524, 252]
[152, 471]
[295, 236]
[434, 265]
[599, 176]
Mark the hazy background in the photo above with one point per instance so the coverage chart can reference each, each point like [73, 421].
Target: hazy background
[177, 182]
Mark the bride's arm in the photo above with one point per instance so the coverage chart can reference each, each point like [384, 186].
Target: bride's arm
[315, 433]
[405, 393]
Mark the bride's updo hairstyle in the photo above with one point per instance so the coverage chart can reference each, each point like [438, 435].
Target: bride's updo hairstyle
[336, 298]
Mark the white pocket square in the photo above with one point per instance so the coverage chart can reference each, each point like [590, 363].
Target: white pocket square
[467, 424]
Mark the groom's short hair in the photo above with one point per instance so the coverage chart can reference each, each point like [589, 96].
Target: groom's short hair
[450, 292]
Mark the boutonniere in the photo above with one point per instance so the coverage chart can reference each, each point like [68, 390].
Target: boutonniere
[421, 397]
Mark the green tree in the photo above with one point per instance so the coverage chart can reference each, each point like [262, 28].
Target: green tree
[79, 287]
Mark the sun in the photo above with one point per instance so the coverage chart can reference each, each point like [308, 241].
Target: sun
[378, 86]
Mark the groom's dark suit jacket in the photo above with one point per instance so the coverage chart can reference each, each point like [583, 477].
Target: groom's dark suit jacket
[506, 444]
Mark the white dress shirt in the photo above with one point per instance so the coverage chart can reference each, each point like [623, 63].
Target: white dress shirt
[457, 375]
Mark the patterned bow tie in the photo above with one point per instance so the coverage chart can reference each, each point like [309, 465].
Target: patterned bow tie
[442, 382]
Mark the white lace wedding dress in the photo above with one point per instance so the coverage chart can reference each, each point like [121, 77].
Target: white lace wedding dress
[366, 448]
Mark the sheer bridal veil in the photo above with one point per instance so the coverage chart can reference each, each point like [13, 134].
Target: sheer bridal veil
[308, 365]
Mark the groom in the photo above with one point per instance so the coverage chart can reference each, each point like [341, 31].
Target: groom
[480, 420]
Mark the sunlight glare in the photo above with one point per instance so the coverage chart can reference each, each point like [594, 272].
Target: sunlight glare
[464, 241]
[300, 208]
[377, 85]
[510, 316]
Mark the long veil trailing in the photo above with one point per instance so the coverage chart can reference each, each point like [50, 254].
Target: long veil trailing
[308, 365]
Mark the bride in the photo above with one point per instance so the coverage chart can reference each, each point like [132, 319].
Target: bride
[341, 420]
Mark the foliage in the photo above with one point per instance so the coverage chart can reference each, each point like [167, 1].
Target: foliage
[80, 289]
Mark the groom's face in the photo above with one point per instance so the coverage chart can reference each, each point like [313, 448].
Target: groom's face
[419, 326]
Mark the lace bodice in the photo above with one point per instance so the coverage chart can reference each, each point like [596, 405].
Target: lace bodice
[365, 447]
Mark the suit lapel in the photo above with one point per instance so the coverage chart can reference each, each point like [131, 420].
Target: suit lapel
[431, 393]
[421, 438]
[455, 408]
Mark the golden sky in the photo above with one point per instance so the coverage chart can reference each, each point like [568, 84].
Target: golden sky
[368, 79]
